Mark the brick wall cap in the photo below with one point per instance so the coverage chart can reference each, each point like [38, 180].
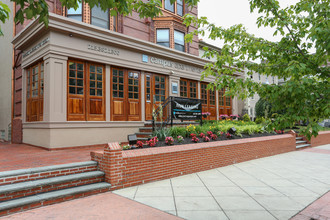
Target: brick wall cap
[187, 147]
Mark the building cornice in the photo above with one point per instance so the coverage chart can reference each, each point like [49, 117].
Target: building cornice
[79, 29]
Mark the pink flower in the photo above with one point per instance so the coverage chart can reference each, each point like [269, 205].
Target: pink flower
[201, 135]
[209, 133]
[228, 135]
[139, 144]
[214, 136]
[206, 139]
[169, 140]
[195, 139]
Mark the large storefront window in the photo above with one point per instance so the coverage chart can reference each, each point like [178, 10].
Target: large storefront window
[85, 91]
[188, 88]
[35, 92]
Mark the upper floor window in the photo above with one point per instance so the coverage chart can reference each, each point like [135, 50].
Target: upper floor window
[100, 18]
[176, 8]
[75, 14]
[179, 41]
[179, 7]
[163, 37]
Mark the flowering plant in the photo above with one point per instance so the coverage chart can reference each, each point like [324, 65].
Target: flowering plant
[190, 128]
[206, 139]
[139, 144]
[224, 116]
[195, 139]
[192, 135]
[220, 133]
[214, 136]
[180, 139]
[126, 147]
[279, 131]
[234, 116]
[206, 113]
[152, 142]
[228, 135]
[169, 140]
[201, 135]
[209, 133]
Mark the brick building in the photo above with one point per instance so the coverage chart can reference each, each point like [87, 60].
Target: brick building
[91, 78]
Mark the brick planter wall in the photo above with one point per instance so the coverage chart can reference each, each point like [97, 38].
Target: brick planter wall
[321, 139]
[129, 168]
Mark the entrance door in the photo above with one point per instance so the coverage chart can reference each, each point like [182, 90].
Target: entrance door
[208, 101]
[125, 98]
[225, 104]
[155, 92]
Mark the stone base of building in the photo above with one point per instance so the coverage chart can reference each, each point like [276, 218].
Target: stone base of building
[64, 135]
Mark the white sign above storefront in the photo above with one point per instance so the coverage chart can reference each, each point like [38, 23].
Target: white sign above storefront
[178, 66]
[36, 47]
[103, 49]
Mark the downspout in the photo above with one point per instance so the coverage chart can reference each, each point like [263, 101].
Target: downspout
[13, 74]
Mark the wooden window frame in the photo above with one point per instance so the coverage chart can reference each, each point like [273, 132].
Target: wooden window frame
[224, 108]
[86, 98]
[39, 99]
[189, 87]
[175, 12]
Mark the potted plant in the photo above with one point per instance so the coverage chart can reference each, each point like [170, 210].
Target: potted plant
[224, 116]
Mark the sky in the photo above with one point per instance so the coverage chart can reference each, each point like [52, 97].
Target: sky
[229, 12]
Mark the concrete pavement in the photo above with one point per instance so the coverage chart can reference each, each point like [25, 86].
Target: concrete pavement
[276, 187]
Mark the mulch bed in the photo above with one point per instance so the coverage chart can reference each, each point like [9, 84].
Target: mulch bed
[187, 140]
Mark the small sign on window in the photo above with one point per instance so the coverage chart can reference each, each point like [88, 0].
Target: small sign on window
[145, 58]
[174, 88]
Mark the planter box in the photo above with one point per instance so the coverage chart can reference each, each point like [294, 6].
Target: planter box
[321, 139]
[129, 168]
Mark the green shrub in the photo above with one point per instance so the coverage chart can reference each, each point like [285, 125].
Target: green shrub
[246, 118]
[161, 134]
[260, 120]
[177, 131]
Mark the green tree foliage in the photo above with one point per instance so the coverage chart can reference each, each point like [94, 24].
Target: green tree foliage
[263, 107]
[32, 9]
[4, 14]
[302, 27]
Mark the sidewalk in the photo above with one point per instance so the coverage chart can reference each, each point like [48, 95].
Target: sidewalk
[276, 187]
[22, 156]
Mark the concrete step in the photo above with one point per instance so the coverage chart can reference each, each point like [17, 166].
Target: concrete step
[15, 176]
[28, 188]
[299, 138]
[300, 142]
[143, 134]
[303, 145]
[42, 199]
[145, 129]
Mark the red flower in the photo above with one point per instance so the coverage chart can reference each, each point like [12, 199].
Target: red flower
[209, 133]
[201, 135]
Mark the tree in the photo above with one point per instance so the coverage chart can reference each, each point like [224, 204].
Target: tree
[262, 106]
[32, 9]
[302, 27]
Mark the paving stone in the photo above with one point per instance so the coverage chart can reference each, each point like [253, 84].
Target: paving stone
[196, 203]
[154, 192]
[280, 203]
[127, 192]
[191, 191]
[249, 215]
[283, 215]
[238, 203]
[162, 203]
[187, 180]
[197, 215]
[261, 191]
[227, 191]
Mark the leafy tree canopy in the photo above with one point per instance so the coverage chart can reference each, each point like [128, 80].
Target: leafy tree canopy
[32, 9]
[302, 27]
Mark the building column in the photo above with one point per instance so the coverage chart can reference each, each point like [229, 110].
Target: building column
[174, 81]
[55, 88]
[143, 102]
[217, 103]
[107, 92]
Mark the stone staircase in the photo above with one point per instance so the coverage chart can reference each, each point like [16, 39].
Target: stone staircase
[35, 187]
[301, 143]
